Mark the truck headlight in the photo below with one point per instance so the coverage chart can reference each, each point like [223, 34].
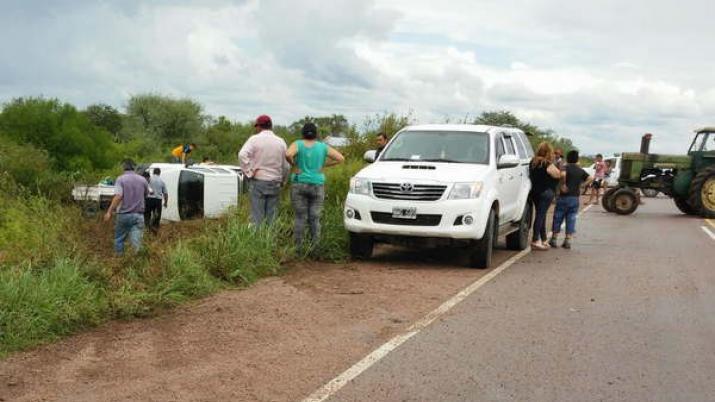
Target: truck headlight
[359, 186]
[465, 191]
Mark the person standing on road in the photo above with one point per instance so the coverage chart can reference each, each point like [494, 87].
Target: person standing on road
[263, 161]
[382, 141]
[129, 193]
[308, 157]
[567, 205]
[158, 194]
[599, 169]
[544, 177]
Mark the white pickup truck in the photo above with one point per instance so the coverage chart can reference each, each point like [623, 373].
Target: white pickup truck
[195, 191]
[457, 185]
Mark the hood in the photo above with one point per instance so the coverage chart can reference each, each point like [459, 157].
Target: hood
[422, 171]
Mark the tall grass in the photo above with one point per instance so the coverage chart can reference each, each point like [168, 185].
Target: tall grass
[55, 279]
[37, 305]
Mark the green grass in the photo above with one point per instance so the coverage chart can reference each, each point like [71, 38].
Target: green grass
[55, 281]
[39, 305]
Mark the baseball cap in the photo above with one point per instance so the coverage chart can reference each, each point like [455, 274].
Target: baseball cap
[263, 120]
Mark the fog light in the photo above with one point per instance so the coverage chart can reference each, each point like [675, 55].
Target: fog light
[350, 213]
[468, 220]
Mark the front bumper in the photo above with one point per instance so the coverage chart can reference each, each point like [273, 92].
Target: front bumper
[450, 210]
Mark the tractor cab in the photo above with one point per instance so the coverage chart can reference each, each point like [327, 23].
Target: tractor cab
[702, 150]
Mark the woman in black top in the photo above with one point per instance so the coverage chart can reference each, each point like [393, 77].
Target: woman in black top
[544, 177]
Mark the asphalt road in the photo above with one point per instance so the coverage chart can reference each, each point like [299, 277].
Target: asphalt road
[627, 315]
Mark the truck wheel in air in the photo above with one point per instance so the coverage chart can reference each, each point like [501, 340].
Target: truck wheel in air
[361, 246]
[702, 193]
[625, 201]
[482, 250]
[519, 240]
[607, 199]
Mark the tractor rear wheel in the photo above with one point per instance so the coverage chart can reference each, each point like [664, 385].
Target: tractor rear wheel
[607, 199]
[702, 193]
[625, 201]
[683, 206]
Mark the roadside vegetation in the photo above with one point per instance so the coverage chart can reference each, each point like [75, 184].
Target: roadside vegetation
[57, 270]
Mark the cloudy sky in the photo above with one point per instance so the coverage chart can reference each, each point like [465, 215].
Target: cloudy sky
[600, 72]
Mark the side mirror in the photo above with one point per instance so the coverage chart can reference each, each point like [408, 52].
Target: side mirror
[508, 161]
[370, 156]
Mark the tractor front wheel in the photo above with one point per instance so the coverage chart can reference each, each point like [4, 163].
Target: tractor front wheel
[625, 201]
[702, 193]
[607, 199]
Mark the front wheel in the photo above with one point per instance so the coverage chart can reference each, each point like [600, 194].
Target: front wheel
[625, 201]
[607, 199]
[482, 250]
[361, 246]
[519, 240]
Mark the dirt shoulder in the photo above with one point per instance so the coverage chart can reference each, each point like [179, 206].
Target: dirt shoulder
[278, 340]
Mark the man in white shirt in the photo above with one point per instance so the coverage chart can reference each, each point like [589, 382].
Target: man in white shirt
[262, 160]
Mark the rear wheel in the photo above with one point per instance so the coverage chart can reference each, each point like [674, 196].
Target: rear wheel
[702, 193]
[607, 199]
[519, 240]
[482, 250]
[683, 206]
[625, 201]
[361, 246]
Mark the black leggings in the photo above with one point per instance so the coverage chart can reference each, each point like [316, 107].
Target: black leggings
[542, 202]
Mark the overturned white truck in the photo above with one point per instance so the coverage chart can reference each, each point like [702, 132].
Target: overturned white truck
[196, 191]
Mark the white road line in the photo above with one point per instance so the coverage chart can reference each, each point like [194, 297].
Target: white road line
[710, 222]
[708, 232]
[585, 209]
[332, 387]
[329, 389]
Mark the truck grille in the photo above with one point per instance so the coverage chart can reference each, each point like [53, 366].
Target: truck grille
[422, 219]
[418, 192]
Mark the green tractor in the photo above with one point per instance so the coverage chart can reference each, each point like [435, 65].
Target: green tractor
[688, 179]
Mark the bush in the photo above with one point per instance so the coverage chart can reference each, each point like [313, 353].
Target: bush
[72, 142]
[41, 305]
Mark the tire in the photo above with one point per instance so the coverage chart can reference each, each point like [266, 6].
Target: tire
[481, 253]
[650, 192]
[702, 193]
[519, 240]
[625, 201]
[607, 199]
[683, 206]
[361, 246]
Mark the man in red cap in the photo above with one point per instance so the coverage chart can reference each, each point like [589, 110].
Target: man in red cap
[263, 161]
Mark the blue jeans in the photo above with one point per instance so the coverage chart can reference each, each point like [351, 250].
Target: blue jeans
[128, 225]
[566, 208]
[307, 202]
[264, 200]
[542, 202]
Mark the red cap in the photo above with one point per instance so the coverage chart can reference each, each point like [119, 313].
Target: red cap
[263, 120]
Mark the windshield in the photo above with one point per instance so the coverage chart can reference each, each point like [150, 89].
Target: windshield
[439, 146]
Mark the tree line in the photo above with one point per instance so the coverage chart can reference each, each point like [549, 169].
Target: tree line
[46, 141]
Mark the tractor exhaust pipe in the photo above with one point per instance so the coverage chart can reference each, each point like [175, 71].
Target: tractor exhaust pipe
[645, 143]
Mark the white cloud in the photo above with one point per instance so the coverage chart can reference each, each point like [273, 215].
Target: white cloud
[600, 72]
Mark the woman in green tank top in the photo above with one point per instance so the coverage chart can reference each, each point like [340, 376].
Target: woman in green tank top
[308, 157]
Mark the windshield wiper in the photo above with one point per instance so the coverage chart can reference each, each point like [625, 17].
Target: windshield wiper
[442, 160]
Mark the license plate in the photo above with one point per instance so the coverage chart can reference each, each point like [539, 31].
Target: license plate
[404, 213]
